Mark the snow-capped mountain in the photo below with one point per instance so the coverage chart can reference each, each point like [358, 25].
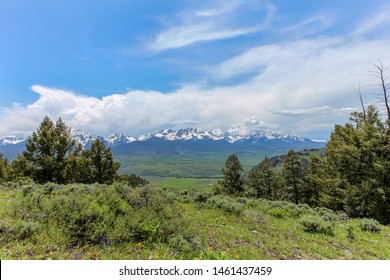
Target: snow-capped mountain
[85, 138]
[118, 139]
[191, 137]
[10, 140]
[197, 134]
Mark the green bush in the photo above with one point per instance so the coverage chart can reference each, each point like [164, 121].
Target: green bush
[216, 255]
[326, 214]
[226, 204]
[315, 224]
[350, 232]
[23, 229]
[89, 213]
[277, 213]
[371, 225]
[180, 244]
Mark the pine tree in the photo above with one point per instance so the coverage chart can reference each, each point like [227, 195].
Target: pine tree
[103, 166]
[21, 168]
[4, 168]
[293, 174]
[263, 180]
[358, 152]
[233, 182]
[314, 182]
[47, 150]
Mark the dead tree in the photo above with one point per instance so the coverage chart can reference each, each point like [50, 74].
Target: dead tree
[379, 73]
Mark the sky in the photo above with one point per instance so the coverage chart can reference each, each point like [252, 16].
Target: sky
[135, 67]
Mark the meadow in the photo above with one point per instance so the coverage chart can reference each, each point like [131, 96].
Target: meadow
[187, 164]
[176, 219]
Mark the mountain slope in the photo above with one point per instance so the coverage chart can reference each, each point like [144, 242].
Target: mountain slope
[190, 152]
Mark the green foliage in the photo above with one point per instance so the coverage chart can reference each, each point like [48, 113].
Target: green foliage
[23, 229]
[215, 255]
[315, 224]
[51, 155]
[358, 152]
[117, 221]
[351, 232]
[179, 243]
[103, 166]
[132, 180]
[293, 174]
[224, 203]
[88, 214]
[233, 182]
[4, 168]
[47, 150]
[264, 180]
[370, 225]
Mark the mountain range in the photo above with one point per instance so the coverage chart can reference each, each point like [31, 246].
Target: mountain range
[188, 138]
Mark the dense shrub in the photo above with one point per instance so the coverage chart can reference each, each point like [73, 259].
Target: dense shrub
[283, 209]
[224, 203]
[315, 224]
[91, 213]
[370, 225]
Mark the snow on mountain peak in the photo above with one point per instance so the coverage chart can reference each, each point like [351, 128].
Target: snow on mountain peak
[249, 131]
[10, 140]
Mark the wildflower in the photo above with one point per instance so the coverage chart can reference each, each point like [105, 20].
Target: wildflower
[108, 243]
[343, 218]
[31, 254]
[134, 250]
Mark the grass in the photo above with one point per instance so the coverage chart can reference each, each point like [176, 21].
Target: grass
[201, 164]
[216, 228]
[204, 185]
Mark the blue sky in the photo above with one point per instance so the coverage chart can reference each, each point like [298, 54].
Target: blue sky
[138, 66]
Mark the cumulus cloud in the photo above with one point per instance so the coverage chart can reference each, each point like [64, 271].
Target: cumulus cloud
[249, 125]
[303, 86]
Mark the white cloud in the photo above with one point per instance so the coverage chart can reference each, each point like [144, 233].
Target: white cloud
[177, 37]
[313, 24]
[303, 86]
[373, 23]
[219, 22]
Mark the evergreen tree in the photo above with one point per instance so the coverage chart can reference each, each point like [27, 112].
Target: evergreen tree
[4, 168]
[233, 182]
[359, 153]
[78, 168]
[314, 182]
[47, 150]
[103, 166]
[20, 168]
[263, 180]
[293, 174]
[132, 180]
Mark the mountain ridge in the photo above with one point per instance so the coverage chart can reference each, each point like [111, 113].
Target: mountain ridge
[186, 134]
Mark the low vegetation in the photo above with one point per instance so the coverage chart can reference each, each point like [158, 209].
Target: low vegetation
[117, 221]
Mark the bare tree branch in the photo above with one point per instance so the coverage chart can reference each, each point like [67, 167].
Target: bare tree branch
[359, 94]
[379, 73]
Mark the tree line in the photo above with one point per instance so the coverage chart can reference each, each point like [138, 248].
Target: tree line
[353, 175]
[52, 155]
